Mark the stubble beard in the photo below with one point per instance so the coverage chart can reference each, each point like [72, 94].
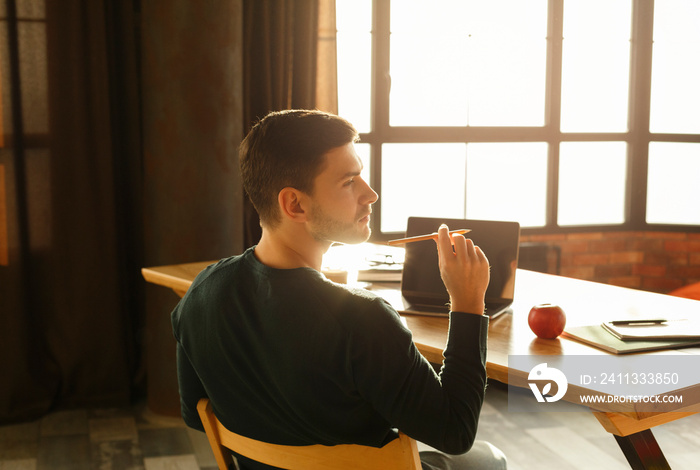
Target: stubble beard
[326, 228]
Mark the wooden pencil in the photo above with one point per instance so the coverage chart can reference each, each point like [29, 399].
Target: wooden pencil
[430, 236]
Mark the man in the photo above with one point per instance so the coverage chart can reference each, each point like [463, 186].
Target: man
[288, 357]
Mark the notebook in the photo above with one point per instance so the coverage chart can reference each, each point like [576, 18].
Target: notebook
[664, 330]
[421, 286]
[599, 337]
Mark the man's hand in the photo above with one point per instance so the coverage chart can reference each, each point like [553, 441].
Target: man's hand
[464, 270]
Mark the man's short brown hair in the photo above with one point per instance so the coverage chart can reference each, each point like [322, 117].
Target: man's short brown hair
[286, 149]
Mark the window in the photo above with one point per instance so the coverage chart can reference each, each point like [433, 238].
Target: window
[458, 63]
[673, 183]
[675, 94]
[547, 112]
[591, 183]
[595, 65]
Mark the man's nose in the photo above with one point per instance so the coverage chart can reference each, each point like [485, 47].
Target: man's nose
[371, 195]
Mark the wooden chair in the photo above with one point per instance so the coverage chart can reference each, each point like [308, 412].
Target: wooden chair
[399, 454]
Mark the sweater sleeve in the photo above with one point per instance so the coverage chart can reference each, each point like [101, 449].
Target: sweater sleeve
[190, 386]
[191, 390]
[439, 410]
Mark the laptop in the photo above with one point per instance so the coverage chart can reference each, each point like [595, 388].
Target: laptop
[421, 286]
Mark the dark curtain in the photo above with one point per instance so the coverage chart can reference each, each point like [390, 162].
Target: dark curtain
[121, 120]
[280, 42]
[192, 111]
[71, 292]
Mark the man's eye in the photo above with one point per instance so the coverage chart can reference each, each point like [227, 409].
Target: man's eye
[349, 182]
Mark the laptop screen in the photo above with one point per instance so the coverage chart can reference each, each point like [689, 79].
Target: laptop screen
[421, 283]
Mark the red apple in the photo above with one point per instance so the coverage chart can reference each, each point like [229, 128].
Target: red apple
[546, 320]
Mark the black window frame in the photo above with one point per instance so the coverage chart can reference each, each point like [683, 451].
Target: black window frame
[637, 137]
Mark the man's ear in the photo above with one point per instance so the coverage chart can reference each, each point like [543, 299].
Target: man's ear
[291, 202]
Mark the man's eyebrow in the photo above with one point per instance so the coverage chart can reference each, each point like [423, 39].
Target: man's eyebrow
[350, 174]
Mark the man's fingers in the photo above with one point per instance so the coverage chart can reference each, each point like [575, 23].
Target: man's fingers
[480, 254]
[464, 248]
[444, 243]
[460, 247]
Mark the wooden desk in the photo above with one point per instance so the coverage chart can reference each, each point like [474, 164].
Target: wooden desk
[584, 302]
[177, 277]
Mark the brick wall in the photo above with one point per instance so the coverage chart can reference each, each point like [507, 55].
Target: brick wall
[653, 261]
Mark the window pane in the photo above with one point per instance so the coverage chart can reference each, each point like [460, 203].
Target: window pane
[595, 65]
[675, 72]
[425, 180]
[673, 186]
[354, 49]
[508, 55]
[460, 62]
[507, 181]
[428, 63]
[592, 179]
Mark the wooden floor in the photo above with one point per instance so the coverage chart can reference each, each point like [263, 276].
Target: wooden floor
[574, 440]
[131, 439]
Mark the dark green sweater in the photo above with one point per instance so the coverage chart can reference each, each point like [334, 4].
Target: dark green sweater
[288, 357]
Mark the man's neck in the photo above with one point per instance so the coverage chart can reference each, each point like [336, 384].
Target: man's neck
[284, 250]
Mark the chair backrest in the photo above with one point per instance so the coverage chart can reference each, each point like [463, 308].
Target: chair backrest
[399, 454]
